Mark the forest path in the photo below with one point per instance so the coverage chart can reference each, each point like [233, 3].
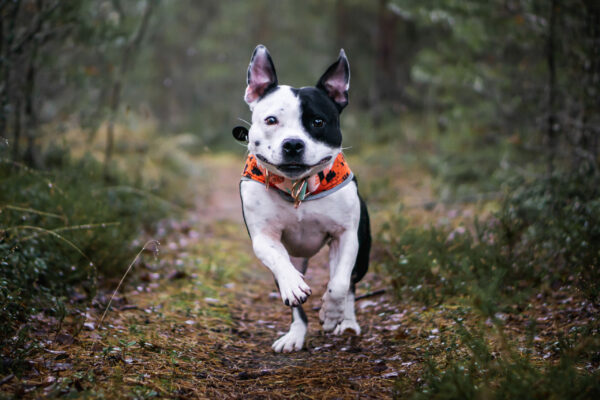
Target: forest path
[199, 320]
[330, 366]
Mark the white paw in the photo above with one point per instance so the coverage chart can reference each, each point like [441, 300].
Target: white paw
[332, 311]
[294, 291]
[291, 341]
[347, 324]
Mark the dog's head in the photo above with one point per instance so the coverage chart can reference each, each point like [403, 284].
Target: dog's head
[295, 132]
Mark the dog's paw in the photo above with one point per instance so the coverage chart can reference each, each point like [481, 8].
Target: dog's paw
[291, 341]
[294, 291]
[332, 311]
[345, 325]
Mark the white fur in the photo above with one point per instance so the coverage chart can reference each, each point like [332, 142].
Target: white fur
[280, 231]
[285, 106]
[349, 321]
[294, 339]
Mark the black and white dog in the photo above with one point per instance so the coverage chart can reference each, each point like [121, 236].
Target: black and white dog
[295, 136]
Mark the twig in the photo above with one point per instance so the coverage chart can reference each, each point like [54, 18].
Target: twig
[155, 244]
[33, 172]
[52, 233]
[370, 294]
[77, 227]
[33, 211]
[35, 28]
[6, 379]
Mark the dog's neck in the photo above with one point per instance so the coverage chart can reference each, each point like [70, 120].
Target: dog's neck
[300, 189]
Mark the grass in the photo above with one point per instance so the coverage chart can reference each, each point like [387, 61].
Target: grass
[490, 281]
[65, 226]
[495, 297]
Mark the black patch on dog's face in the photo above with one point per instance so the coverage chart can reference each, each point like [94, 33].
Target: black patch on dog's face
[314, 105]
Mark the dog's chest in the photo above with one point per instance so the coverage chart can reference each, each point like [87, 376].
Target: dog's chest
[305, 233]
[303, 230]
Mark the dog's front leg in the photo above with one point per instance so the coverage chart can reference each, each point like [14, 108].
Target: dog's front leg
[294, 291]
[343, 251]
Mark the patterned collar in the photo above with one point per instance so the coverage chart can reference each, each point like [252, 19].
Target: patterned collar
[332, 178]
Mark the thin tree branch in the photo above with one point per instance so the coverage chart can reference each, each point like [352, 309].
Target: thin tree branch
[36, 27]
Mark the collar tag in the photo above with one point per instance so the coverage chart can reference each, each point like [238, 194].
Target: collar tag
[299, 191]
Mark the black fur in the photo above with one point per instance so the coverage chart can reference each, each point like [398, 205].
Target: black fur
[315, 104]
[243, 213]
[302, 315]
[240, 133]
[331, 71]
[364, 242]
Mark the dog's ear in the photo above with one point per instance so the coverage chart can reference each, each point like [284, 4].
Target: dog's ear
[261, 74]
[336, 81]
[240, 133]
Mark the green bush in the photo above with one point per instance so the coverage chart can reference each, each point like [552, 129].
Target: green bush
[474, 371]
[58, 230]
[546, 231]
[552, 225]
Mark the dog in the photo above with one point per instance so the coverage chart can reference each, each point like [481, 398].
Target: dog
[298, 193]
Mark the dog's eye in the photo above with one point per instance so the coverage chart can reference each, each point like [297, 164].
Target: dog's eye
[271, 120]
[318, 123]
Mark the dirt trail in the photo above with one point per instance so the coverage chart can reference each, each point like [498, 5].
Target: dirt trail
[330, 366]
[199, 321]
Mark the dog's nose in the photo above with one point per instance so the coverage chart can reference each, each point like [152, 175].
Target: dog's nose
[293, 147]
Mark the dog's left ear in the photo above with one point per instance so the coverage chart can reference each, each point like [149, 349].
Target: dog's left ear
[240, 133]
[336, 81]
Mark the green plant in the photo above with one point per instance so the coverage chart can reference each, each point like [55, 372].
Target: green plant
[59, 229]
[473, 370]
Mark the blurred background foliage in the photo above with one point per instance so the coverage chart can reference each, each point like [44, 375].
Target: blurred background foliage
[104, 105]
[518, 71]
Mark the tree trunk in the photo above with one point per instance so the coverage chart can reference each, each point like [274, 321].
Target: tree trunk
[552, 129]
[31, 154]
[591, 123]
[16, 129]
[128, 55]
[6, 62]
[385, 79]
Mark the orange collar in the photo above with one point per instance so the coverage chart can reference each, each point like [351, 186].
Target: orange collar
[330, 179]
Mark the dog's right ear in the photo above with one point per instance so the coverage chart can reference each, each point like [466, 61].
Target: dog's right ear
[336, 81]
[261, 74]
[240, 133]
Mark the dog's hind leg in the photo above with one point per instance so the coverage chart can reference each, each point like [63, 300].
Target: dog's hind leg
[294, 339]
[360, 269]
[349, 321]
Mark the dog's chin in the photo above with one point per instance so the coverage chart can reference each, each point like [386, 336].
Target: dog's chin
[294, 170]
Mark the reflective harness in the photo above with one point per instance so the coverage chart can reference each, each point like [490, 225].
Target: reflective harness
[313, 187]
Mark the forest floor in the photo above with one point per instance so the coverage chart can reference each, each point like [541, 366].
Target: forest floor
[199, 321]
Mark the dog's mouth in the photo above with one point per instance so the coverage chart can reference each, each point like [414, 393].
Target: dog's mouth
[294, 169]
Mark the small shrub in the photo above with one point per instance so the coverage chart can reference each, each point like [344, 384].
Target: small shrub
[59, 229]
[553, 225]
[508, 374]
[546, 231]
